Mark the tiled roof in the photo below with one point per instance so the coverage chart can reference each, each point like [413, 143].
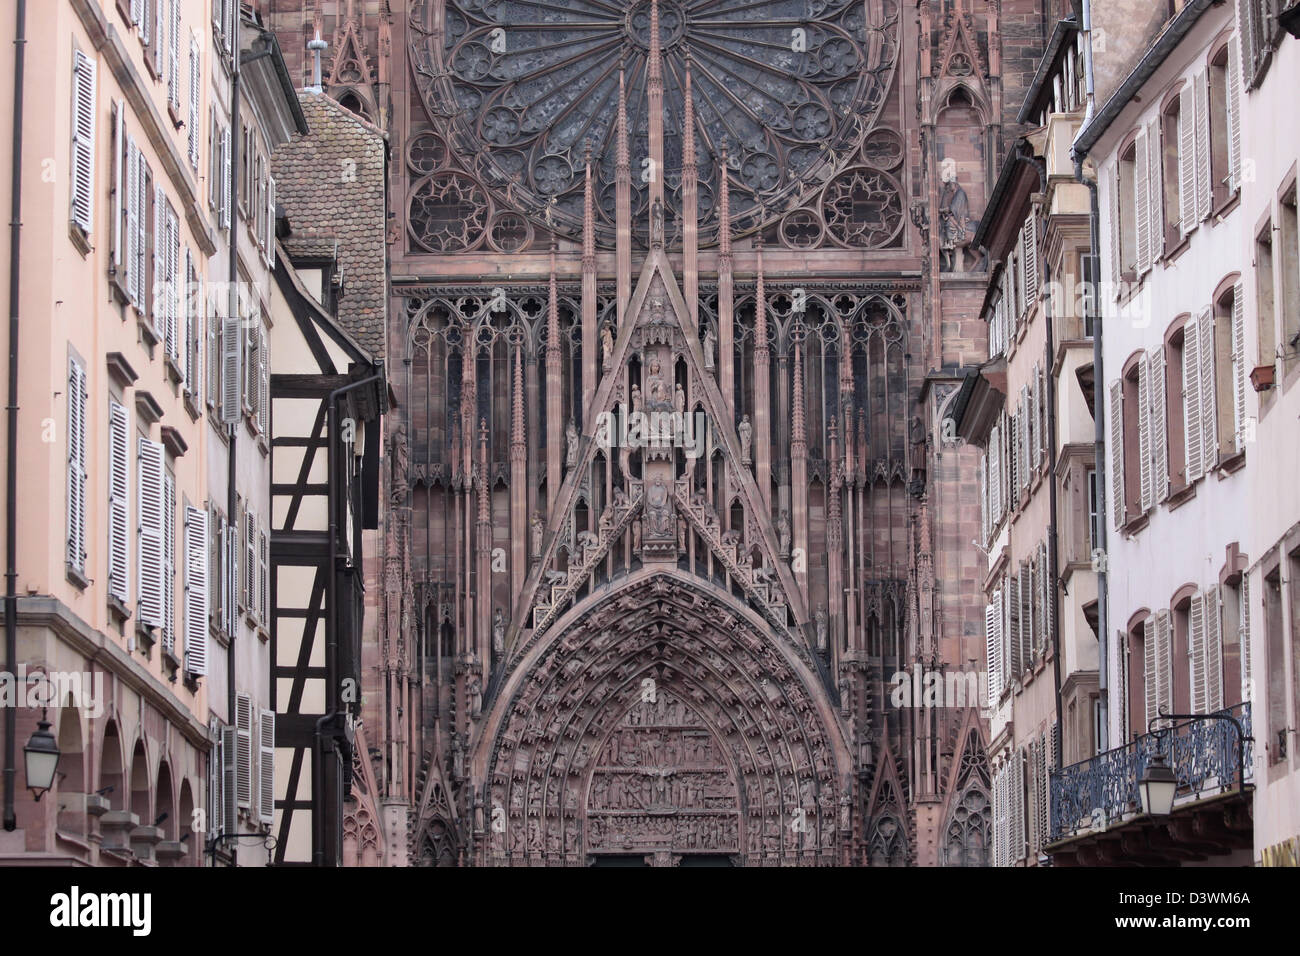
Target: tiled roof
[331, 184]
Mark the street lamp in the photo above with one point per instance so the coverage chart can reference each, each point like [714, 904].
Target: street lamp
[1157, 787]
[42, 758]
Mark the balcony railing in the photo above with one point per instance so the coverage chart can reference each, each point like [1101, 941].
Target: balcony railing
[1096, 794]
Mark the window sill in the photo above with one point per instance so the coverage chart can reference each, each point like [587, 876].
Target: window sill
[1135, 523]
[1180, 497]
[1230, 465]
[1174, 253]
[148, 336]
[76, 577]
[117, 288]
[145, 638]
[191, 407]
[177, 121]
[1222, 210]
[262, 444]
[174, 373]
[171, 666]
[80, 239]
[118, 611]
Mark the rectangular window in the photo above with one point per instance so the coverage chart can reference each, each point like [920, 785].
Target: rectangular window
[1094, 529]
[150, 505]
[119, 506]
[77, 395]
[83, 142]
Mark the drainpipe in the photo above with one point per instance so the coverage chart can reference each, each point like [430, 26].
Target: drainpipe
[11, 413]
[1098, 389]
[331, 617]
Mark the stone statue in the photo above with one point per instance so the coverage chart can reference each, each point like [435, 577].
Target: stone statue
[710, 340]
[659, 509]
[399, 463]
[783, 531]
[819, 622]
[539, 528]
[636, 399]
[681, 533]
[636, 535]
[657, 397]
[498, 632]
[571, 445]
[657, 224]
[746, 431]
[954, 218]
[475, 694]
[679, 399]
[606, 345]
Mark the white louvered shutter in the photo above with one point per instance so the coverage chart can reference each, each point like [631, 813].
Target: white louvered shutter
[231, 577]
[150, 546]
[1213, 652]
[1209, 393]
[83, 141]
[1036, 421]
[1030, 255]
[1164, 661]
[1116, 251]
[76, 550]
[159, 263]
[250, 562]
[232, 355]
[119, 502]
[270, 222]
[134, 225]
[1028, 621]
[137, 16]
[225, 217]
[1144, 431]
[1159, 425]
[1187, 160]
[1246, 30]
[993, 650]
[1243, 637]
[1204, 181]
[1192, 429]
[263, 386]
[244, 751]
[119, 181]
[1233, 96]
[169, 562]
[1155, 189]
[193, 122]
[1012, 639]
[1141, 202]
[1151, 668]
[187, 321]
[1018, 806]
[142, 233]
[196, 590]
[264, 578]
[1116, 439]
[173, 290]
[1196, 652]
[984, 497]
[230, 775]
[1240, 374]
[174, 57]
[266, 767]
[995, 478]
[216, 809]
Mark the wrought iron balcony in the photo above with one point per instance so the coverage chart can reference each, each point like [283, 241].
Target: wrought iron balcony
[1094, 795]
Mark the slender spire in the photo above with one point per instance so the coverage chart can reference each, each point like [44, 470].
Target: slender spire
[588, 216]
[690, 204]
[724, 210]
[798, 433]
[553, 311]
[655, 107]
[518, 443]
[484, 479]
[760, 301]
[622, 202]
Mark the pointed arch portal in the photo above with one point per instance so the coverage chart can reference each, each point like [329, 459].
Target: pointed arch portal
[662, 718]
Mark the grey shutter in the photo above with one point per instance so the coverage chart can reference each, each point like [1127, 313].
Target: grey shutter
[1144, 432]
[119, 181]
[196, 590]
[1209, 393]
[1192, 429]
[119, 502]
[225, 217]
[1187, 160]
[263, 386]
[1116, 250]
[230, 776]
[1164, 661]
[195, 80]
[984, 497]
[76, 505]
[1233, 96]
[250, 562]
[993, 649]
[1204, 182]
[1018, 806]
[231, 362]
[83, 141]
[1116, 439]
[169, 562]
[1141, 202]
[1243, 637]
[263, 579]
[266, 767]
[1030, 256]
[1150, 669]
[159, 263]
[270, 222]
[216, 810]
[244, 751]
[174, 57]
[995, 478]
[1213, 652]
[150, 512]
[1159, 425]
[1196, 653]
[1240, 373]
[1155, 189]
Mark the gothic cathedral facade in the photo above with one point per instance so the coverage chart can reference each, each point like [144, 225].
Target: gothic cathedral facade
[680, 294]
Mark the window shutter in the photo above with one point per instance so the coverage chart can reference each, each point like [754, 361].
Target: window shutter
[270, 222]
[76, 553]
[1159, 425]
[1213, 652]
[230, 775]
[137, 15]
[231, 577]
[264, 578]
[244, 755]
[1204, 184]
[1243, 637]
[119, 181]
[224, 216]
[1116, 439]
[1011, 640]
[263, 386]
[1144, 431]
[174, 57]
[195, 80]
[1192, 429]
[1151, 668]
[993, 649]
[1031, 259]
[159, 263]
[1027, 618]
[1121, 642]
[1239, 372]
[995, 478]
[1233, 96]
[231, 360]
[150, 510]
[119, 508]
[1018, 806]
[132, 200]
[1044, 775]
[1141, 203]
[250, 562]
[1209, 394]
[173, 287]
[984, 497]
[1164, 661]
[1196, 653]
[1186, 160]
[216, 801]
[1155, 189]
[169, 562]
[83, 141]
[196, 590]
[1116, 252]
[266, 767]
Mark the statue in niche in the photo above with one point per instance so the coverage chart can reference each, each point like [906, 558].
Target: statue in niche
[657, 224]
[681, 533]
[819, 621]
[659, 509]
[475, 694]
[538, 529]
[658, 398]
[606, 345]
[636, 400]
[571, 445]
[679, 399]
[954, 219]
[636, 535]
[399, 460]
[783, 531]
[746, 431]
[709, 343]
[498, 631]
